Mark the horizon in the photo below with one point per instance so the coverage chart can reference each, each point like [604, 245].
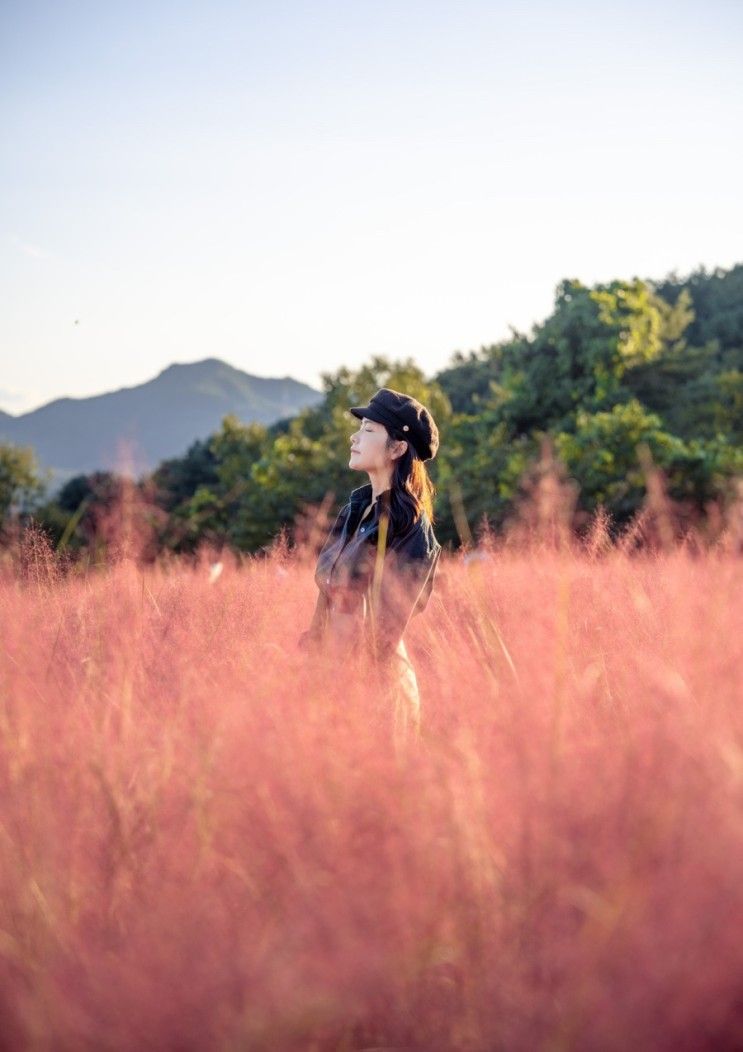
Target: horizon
[303, 189]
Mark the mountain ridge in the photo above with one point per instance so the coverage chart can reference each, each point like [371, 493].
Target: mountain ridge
[159, 418]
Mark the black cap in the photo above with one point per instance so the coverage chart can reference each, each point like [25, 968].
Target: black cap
[405, 414]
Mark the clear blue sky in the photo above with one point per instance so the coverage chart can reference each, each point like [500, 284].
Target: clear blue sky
[297, 186]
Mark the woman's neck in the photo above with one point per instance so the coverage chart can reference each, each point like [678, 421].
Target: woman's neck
[380, 481]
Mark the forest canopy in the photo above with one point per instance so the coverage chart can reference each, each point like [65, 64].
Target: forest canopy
[615, 369]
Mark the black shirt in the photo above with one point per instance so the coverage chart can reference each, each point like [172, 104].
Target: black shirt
[384, 578]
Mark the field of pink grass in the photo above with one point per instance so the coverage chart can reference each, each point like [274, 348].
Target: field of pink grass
[210, 841]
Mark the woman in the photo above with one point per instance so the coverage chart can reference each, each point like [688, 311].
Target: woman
[377, 566]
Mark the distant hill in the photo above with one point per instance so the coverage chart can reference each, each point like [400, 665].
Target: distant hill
[160, 418]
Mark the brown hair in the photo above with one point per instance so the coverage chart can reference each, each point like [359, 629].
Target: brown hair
[412, 491]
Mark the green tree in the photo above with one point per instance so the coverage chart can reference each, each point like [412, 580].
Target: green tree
[717, 300]
[601, 453]
[72, 519]
[579, 356]
[21, 486]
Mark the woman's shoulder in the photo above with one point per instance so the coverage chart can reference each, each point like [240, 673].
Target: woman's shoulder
[424, 524]
[419, 540]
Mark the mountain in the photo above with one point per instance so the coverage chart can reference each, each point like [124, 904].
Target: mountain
[159, 419]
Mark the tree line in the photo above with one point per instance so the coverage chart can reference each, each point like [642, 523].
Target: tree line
[619, 375]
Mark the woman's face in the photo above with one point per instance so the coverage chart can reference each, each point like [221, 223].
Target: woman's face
[369, 448]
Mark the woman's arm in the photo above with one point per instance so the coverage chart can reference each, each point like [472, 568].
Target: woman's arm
[319, 621]
[317, 626]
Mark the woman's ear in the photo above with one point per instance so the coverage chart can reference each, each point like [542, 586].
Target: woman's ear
[402, 447]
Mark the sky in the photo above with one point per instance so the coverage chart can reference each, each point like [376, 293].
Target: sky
[295, 187]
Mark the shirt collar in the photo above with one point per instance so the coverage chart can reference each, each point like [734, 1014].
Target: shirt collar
[363, 494]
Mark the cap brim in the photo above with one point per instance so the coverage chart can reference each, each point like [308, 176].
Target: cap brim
[367, 411]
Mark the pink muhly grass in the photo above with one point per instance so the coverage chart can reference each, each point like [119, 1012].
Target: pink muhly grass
[210, 841]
